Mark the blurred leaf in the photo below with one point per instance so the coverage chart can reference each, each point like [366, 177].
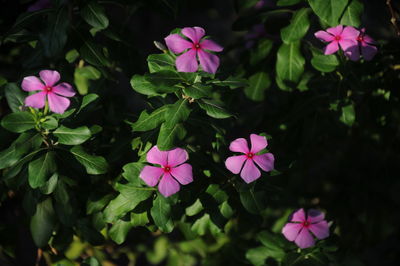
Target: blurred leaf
[94, 15]
[168, 136]
[262, 50]
[94, 165]
[139, 219]
[161, 250]
[274, 243]
[231, 82]
[161, 213]
[253, 201]
[290, 62]
[27, 18]
[213, 109]
[348, 115]
[328, 10]
[41, 169]
[257, 256]
[72, 55]
[258, 83]
[18, 122]
[325, 63]
[298, 26]
[55, 35]
[88, 99]
[287, 2]
[15, 96]
[42, 223]
[95, 204]
[120, 230]
[92, 261]
[194, 209]
[72, 136]
[82, 77]
[92, 53]
[352, 14]
[147, 121]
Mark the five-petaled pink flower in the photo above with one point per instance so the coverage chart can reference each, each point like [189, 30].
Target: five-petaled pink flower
[344, 37]
[299, 227]
[187, 62]
[365, 47]
[244, 164]
[54, 94]
[171, 171]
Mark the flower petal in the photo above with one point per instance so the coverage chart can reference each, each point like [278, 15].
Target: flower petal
[194, 33]
[257, 143]
[298, 216]
[177, 44]
[32, 83]
[368, 51]
[324, 36]
[320, 230]
[291, 230]
[176, 157]
[331, 48]
[151, 174]
[36, 100]
[304, 239]
[210, 45]
[350, 33]
[235, 163]
[183, 173]
[187, 62]
[348, 44]
[57, 104]
[315, 216]
[155, 156]
[353, 52]
[265, 161]
[168, 185]
[209, 62]
[250, 172]
[50, 77]
[239, 145]
[64, 89]
[335, 30]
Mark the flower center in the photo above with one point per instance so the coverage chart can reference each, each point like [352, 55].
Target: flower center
[196, 46]
[360, 38]
[250, 155]
[306, 224]
[337, 37]
[48, 89]
[167, 169]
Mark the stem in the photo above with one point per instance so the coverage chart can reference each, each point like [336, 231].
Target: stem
[393, 19]
[46, 108]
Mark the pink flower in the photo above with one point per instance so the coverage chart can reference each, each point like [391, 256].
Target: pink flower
[345, 37]
[299, 227]
[187, 62]
[365, 47]
[171, 170]
[250, 172]
[48, 90]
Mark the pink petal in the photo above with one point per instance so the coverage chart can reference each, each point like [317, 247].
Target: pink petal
[150, 175]
[210, 45]
[350, 33]
[50, 77]
[315, 216]
[177, 44]
[64, 89]
[239, 145]
[250, 172]
[320, 230]
[168, 185]
[265, 161]
[368, 39]
[291, 230]
[176, 157]
[195, 33]
[257, 143]
[324, 36]
[36, 100]
[32, 83]
[331, 48]
[57, 104]
[209, 62]
[183, 173]
[298, 216]
[353, 52]
[368, 51]
[187, 62]
[155, 156]
[235, 163]
[304, 239]
[335, 30]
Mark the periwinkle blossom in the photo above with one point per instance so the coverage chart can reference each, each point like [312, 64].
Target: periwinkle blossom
[55, 95]
[246, 164]
[365, 47]
[170, 172]
[339, 36]
[302, 228]
[198, 47]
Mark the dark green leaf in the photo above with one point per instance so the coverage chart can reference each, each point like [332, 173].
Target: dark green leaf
[92, 53]
[142, 86]
[290, 62]
[42, 223]
[120, 230]
[161, 214]
[88, 99]
[139, 219]
[352, 14]
[214, 109]
[50, 185]
[168, 136]
[328, 11]
[41, 169]
[94, 15]
[55, 35]
[95, 204]
[325, 63]
[159, 62]
[258, 83]
[287, 2]
[348, 115]
[72, 136]
[198, 90]
[231, 82]
[253, 201]
[132, 171]
[15, 96]
[147, 121]
[94, 165]
[50, 123]
[260, 53]
[176, 113]
[298, 26]
[257, 256]
[18, 122]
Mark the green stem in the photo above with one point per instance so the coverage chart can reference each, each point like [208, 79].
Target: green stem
[46, 108]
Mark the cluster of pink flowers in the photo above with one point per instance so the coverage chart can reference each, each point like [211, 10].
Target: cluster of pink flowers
[352, 41]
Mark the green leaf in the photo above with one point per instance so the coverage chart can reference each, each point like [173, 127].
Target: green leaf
[139, 219]
[82, 77]
[92, 53]
[197, 91]
[55, 36]
[164, 81]
[27, 18]
[50, 123]
[94, 15]
[18, 122]
[287, 2]
[213, 109]
[348, 115]
[328, 11]
[94, 165]
[298, 26]
[168, 136]
[71, 55]
[92, 261]
[50, 185]
[324, 63]
[119, 231]
[263, 49]
[42, 223]
[147, 121]
[257, 256]
[159, 62]
[176, 113]
[72, 136]
[96, 204]
[131, 172]
[161, 214]
[352, 14]
[258, 83]
[290, 62]
[142, 86]
[253, 201]
[274, 243]
[15, 96]
[41, 169]
[231, 82]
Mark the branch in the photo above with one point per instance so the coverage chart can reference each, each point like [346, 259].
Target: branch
[393, 19]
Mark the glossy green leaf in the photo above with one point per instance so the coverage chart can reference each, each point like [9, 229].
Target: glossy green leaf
[258, 83]
[139, 219]
[197, 91]
[159, 62]
[257, 256]
[231, 82]
[352, 14]
[18, 122]
[131, 172]
[150, 121]
[290, 62]
[120, 230]
[83, 76]
[94, 165]
[298, 26]
[325, 63]
[169, 135]
[348, 115]
[259, 54]
[177, 113]
[328, 10]
[142, 86]
[15, 96]
[214, 109]
[94, 15]
[50, 185]
[161, 214]
[41, 169]
[42, 223]
[72, 136]
[50, 123]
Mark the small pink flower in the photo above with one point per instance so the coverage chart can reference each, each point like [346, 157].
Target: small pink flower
[187, 62]
[250, 172]
[48, 90]
[299, 227]
[365, 47]
[345, 37]
[171, 170]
